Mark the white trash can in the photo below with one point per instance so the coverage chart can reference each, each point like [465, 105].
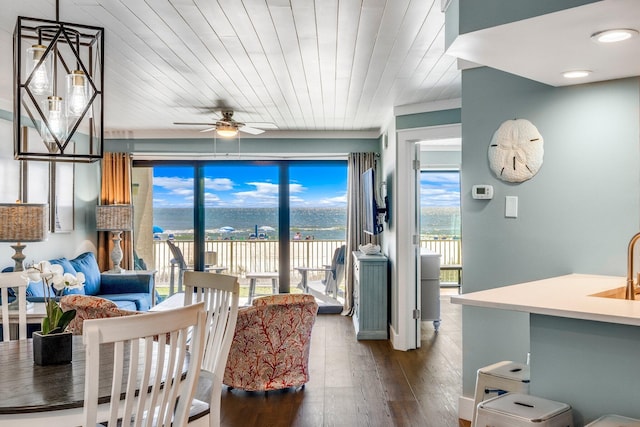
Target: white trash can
[614, 421]
[523, 410]
[500, 378]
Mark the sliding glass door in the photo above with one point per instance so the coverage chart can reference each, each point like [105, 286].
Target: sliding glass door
[259, 220]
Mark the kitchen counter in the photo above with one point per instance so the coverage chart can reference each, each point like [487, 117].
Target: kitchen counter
[564, 296]
[584, 349]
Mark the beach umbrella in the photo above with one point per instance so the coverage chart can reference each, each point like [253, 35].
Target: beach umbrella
[267, 228]
[157, 229]
[226, 229]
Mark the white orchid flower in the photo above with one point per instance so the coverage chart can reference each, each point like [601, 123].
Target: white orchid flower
[44, 266]
[32, 275]
[80, 279]
[56, 269]
[72, 282]
[57, 280]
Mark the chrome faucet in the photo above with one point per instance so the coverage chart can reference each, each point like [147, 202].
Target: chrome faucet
[631, 291]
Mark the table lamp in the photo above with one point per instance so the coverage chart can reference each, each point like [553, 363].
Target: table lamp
[23, 222]
[115, 218]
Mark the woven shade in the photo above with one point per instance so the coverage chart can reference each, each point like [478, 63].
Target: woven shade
[23, 222]
[114, 217]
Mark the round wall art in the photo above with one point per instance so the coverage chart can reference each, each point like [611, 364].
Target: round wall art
[516, 151]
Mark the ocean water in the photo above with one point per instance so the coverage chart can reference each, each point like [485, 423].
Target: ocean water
[319, 223]
[440, 222]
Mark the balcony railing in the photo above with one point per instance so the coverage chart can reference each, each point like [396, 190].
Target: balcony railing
[243, 256]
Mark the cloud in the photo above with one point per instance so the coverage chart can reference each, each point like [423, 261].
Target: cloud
[218, 184]
[439, 197]
[171, 183]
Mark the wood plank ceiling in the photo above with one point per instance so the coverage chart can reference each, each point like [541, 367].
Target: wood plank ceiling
[301, 64]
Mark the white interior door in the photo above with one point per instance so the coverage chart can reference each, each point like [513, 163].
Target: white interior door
[416, 239]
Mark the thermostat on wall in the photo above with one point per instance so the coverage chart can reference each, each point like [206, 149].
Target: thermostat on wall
[482, 192]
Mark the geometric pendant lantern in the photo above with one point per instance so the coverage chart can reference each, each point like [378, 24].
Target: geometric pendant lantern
[58, 78]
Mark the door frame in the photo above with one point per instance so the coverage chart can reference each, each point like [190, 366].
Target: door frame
[408, 234]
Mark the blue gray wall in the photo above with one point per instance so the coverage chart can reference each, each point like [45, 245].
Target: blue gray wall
[576, 215]
[85, 188]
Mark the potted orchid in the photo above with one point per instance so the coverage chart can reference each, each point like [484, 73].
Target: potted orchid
[52, 345]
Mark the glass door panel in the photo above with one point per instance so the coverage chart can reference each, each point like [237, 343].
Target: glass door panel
[241, 223]
[163, 211]
[318, 207]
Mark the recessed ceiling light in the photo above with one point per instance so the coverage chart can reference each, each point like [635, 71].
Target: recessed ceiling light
[576, 74]
[615, 35]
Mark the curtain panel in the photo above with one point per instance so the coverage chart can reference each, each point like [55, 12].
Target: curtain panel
[115, 189]
[357, 164]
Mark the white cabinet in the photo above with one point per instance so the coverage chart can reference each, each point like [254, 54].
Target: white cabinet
[370, 296]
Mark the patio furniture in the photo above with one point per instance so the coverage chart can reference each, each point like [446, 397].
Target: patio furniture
[334, 275]
[176, 336]
[253, 278]
[270, 348]
[179, 261]
[221, 294]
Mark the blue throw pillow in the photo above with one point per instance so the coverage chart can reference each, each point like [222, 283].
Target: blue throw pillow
[66, 265]
[87, 264]
[68, 268]
[36, 289]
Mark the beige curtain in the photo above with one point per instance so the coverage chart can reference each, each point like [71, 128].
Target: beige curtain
[358, 163]
[115, 189]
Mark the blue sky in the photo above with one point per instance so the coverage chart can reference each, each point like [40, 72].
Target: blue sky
[439, 189]
[256, 186]
[251, 186]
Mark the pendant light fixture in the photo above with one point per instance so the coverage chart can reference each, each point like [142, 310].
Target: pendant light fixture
[58, 90]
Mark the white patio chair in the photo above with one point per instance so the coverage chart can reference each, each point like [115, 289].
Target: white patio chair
[19, 285]
[149, 352]
[220, 293]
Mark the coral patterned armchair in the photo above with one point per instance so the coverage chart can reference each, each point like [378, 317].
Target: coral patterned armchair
[270, 348]
[90, 307]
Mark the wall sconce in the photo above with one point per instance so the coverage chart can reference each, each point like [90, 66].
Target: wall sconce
[115, 218]
[58, 73]
[23, 222]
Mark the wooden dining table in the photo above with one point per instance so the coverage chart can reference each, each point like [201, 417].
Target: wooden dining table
[28, 390]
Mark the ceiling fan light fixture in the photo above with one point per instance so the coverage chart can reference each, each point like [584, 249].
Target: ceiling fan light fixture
[226, 130]
[614, 35]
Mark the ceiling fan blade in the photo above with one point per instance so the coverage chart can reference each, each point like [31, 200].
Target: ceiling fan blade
[208, 129]
[262, 125]
[194, 124]
[250, 130]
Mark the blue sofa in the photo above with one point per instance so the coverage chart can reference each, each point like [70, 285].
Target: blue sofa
[130, 291]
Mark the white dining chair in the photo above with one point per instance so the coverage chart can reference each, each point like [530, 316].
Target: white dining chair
[18, 284]
[220, 293]
[160, 341]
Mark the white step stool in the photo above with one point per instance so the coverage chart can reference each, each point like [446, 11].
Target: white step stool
[522, 410]
[500, 378]
[614, 421]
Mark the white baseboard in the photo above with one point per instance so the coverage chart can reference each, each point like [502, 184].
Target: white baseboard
[465, 408]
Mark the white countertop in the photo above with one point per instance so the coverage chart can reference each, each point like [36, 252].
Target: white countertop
[563, 296]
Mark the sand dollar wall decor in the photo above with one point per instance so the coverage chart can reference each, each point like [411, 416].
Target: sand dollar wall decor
[516, 151]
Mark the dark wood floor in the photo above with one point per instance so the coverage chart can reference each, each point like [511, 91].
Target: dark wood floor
[364, 383]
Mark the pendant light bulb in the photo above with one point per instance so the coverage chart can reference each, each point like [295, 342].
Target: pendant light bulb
[56, 119]
[41, 74]
[77, 93]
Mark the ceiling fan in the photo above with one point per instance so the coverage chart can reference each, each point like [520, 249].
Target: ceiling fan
[226, 126]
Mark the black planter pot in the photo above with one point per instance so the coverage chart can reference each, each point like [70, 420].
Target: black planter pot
[52, 349]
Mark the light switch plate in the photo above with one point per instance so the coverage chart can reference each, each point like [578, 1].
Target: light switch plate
[511, 207]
